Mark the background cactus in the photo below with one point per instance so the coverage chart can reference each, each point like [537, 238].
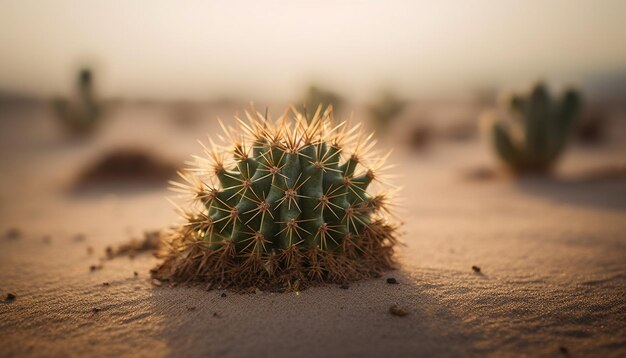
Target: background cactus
[384, 109]
[286, 210]
[536, 130]
[79, 115]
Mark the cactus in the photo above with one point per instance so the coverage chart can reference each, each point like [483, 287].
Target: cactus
[80, 115]
[384, 110]
[285, 211]
[536, 130]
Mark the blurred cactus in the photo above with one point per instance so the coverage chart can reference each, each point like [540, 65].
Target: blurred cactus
[79, 116]
[316, 97]
[535, 130]
[384, 110]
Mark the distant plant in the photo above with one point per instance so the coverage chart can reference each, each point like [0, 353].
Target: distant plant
[317, 96]
[384, 110]
[533, 130]
[283, 204]
[79, 114]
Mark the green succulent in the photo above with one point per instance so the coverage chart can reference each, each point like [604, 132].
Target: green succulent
[283, 202]
[535, 129]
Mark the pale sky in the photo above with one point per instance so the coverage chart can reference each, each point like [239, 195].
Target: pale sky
[272, 49]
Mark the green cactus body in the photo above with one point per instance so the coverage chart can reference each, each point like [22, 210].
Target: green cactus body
[545, 124]
[289, 211]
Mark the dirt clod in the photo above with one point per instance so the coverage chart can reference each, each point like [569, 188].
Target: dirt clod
[397, 311]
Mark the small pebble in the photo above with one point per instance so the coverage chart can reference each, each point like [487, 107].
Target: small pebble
[13, 233]
[106, 284]
[223, 294]
[135, 273]
[344, 286]
[392, 281]
[11, 297]
[156, 282]
[564, 350]
[397, 311]
[96, 310]
[476, 268]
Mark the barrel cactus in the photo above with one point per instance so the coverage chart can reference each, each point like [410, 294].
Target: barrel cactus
[281, 205]
[533, 131]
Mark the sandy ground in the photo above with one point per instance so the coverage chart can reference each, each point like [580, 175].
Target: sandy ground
[552, 254]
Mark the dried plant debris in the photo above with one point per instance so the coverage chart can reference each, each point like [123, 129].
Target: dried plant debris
[126, 165]
[150, 242]
[284, 203]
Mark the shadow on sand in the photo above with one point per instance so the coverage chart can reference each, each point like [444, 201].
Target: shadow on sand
[320, 321]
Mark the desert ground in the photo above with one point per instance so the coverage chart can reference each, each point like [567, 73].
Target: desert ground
[551, 253]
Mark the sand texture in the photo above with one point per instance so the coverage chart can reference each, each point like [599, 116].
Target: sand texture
[552, 254]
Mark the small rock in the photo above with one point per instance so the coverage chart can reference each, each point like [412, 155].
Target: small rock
[96, 310]
[397, 311]
[223, 294]
[476, 269]
[344, 286]
[93, 268]
[392, 281]
[156, 282]
[563, 350]
[135, 273]
[13, 233]
[11, 297]
[106, 284]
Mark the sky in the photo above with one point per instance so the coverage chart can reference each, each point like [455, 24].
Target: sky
[273, 49]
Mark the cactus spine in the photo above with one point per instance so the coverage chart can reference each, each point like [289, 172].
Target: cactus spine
[286, 210]
[536, 130]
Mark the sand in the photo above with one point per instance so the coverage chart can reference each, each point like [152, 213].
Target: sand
[552, 254]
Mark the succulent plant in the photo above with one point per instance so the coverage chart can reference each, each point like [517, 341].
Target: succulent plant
[79, 116]
[534, 130]
[385, 109]
[283, 204]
